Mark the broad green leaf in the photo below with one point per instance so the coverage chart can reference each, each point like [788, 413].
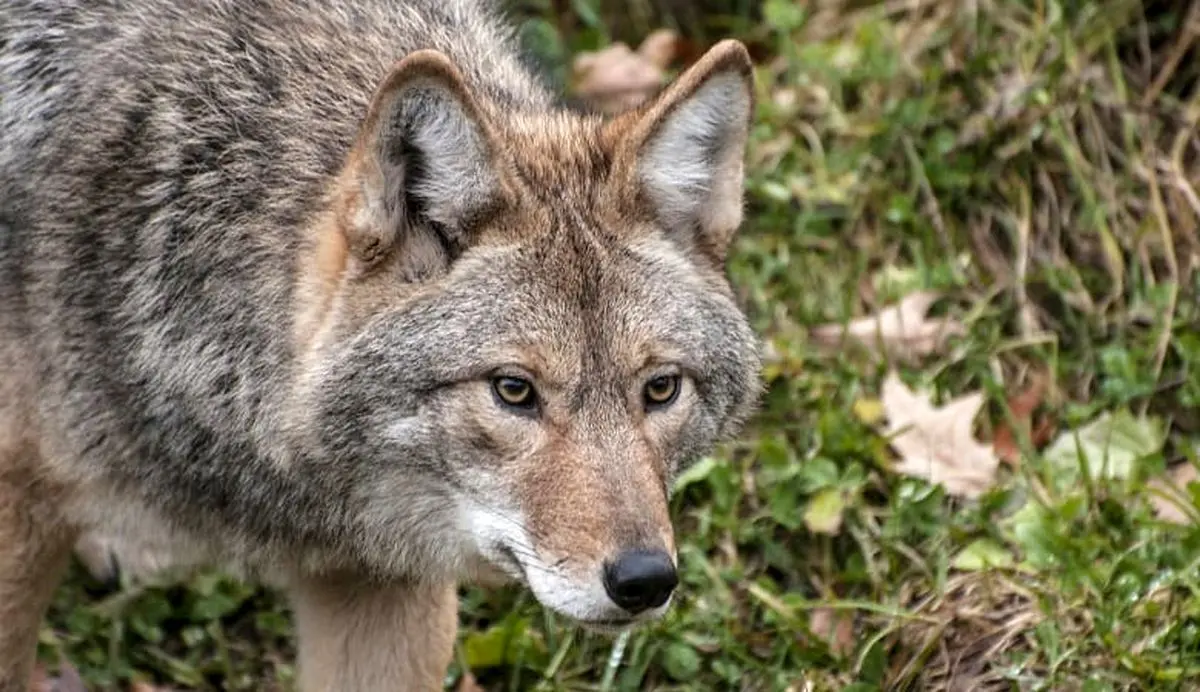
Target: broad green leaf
[696, 473]
[681, 661]
[783, 15]
[496, 645]
[981, 555]
[1111, 445]
[824, 512]
[868, 410]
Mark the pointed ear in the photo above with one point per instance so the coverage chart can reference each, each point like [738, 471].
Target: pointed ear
[425, 166]
[689, 144]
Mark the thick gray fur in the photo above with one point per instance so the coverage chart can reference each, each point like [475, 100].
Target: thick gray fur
[158, 164]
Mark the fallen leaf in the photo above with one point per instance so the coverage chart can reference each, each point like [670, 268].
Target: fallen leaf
[824, 512]
[660, 48]
[937, 442]
[68, 680]
[1022, 407]
[902, 331]
[1170, 491]
[835, 628]
[467, 684]
[615, 78]
[1111, 444]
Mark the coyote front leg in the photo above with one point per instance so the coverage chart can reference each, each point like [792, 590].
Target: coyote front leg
[35, 547]
[360, 636]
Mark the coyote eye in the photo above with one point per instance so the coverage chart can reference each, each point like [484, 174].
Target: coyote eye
[515, 392]
[661, 391]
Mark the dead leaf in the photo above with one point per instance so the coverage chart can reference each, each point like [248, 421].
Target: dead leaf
[616, 78]
[467, 684]
[835, 627]
[68, 680]
[1022, 406]
[902, 331]
[660, 48]
[937, 442]
[1170, 492]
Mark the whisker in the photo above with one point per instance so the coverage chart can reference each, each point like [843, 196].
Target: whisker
[532, 561]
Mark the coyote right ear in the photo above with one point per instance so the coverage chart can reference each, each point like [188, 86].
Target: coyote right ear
[425, 158]
[686, 147]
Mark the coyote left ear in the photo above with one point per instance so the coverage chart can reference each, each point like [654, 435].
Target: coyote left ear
[689, 143]
[426, 164]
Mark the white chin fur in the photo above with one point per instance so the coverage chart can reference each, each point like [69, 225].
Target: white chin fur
[501, 538]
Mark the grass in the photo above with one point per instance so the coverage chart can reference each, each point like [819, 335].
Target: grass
[1038, 163]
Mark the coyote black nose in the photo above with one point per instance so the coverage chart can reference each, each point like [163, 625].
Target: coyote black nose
[639, 580]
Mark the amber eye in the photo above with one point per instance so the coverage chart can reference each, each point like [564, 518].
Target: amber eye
[514, 391]
[661, 390]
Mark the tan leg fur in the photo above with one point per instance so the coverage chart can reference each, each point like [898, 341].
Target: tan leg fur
[35, 547]
[358, 635]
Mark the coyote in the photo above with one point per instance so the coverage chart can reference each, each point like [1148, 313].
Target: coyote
[338, 295]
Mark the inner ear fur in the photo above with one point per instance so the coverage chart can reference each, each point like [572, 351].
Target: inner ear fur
[683, 151]
[424, 166]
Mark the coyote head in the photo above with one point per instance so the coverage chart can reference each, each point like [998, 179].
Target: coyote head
[518, 330]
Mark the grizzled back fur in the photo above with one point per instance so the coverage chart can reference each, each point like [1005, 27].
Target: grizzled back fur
[336, 283]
